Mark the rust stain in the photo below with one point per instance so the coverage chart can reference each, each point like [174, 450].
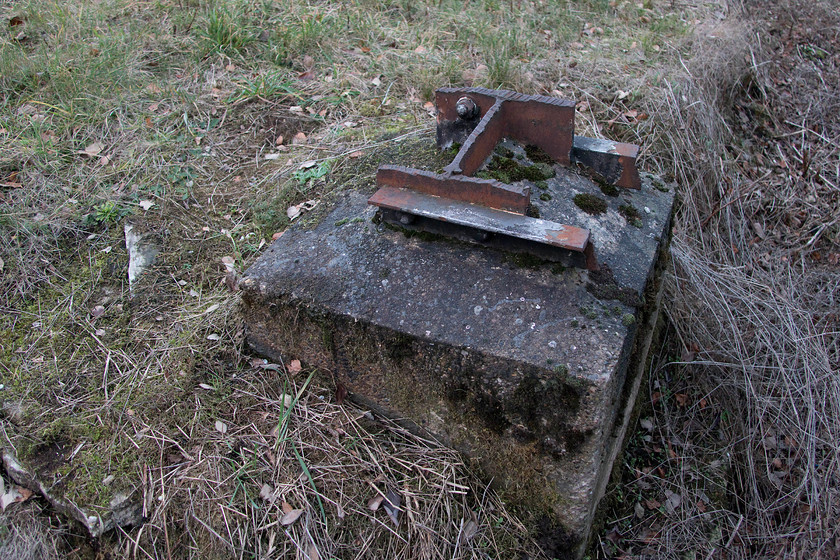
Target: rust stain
[568, 237]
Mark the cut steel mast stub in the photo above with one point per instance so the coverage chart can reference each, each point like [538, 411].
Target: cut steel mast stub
[487, 211]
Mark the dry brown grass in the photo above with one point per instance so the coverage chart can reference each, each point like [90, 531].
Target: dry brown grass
[330, 461]
[753, 454]
[28, 533]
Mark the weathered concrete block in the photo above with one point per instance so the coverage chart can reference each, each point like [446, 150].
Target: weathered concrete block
[523, 368]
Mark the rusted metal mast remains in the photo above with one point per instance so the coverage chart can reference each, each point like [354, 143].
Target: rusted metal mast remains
[481, 210]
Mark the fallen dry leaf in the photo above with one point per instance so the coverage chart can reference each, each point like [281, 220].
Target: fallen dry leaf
[10, 495]
[312, 551]
[92, 150]
[293, 212]
[299, 138]
[286, 507]
[146, 204]
[673, 501]
[25, 494]
[470, 530]
[290, 517]
[221, 427]
[232, 281]
[267, 493]
[392, 506]
[639, 510]
[294, 367]
[340, 393]
[374, 503]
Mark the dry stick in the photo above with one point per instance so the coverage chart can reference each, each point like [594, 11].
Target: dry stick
[166, 536]
[105, 375]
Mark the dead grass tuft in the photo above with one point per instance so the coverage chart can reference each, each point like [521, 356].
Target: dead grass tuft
[749, 446]
[26, 534]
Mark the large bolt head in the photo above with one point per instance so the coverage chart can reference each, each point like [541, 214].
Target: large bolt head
[466, 108]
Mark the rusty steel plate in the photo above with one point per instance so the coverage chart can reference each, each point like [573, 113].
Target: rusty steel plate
[482, 218]
[512, 198]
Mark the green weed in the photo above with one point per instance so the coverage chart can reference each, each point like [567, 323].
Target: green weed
[107, 212]
[268, 86]
[305, 177]
[500, 54]
[226, 33]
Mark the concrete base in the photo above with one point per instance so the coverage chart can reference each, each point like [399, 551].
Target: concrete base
[523, 368]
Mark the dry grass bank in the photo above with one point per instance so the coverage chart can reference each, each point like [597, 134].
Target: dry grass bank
[748, 409]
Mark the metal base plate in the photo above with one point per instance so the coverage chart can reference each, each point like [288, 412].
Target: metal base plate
[485, 226]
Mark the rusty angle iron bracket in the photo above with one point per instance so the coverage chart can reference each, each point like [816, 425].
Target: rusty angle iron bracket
[487, 211]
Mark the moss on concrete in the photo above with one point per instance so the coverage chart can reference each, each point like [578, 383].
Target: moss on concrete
[629, 212]
[590, 203]
[509, 170]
